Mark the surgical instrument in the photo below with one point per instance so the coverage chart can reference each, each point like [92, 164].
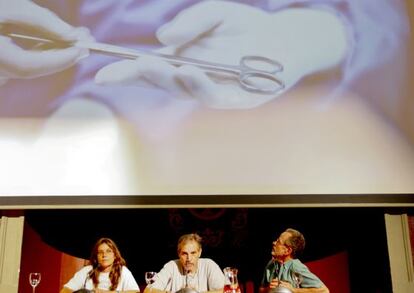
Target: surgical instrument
[259, 81]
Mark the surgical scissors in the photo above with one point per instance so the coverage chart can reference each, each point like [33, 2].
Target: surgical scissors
[259, 81]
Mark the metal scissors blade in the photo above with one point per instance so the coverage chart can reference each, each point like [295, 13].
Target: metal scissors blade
[260, 81]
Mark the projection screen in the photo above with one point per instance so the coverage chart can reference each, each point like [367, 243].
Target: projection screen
[338, 118]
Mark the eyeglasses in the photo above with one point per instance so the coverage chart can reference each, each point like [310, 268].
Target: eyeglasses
[280, 243]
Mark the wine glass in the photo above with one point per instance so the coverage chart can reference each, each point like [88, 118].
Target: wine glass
[34, 279]
[149, 278]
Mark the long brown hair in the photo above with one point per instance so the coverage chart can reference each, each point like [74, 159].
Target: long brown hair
[115, 273]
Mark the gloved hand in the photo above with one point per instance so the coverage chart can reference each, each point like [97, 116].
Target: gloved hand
[17, 62]
[302, 40]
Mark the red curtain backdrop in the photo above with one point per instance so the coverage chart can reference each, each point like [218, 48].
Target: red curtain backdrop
[56, 267]
[411, 227]
[333, 271]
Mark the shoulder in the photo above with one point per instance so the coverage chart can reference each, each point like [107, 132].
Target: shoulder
[208, 263]
[85, 269]
[172, 265]
[125, 270]
[83, 272]
[297, 263]
[299, 266]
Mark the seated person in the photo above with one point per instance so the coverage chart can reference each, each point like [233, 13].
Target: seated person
[285, 270]
[107, 272]
[189, 270]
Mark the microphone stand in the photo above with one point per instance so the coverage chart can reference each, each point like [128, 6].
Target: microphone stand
[186, 278]
[186, 289]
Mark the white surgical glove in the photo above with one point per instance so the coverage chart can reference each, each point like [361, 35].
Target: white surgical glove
[17, 62]
[302, 40]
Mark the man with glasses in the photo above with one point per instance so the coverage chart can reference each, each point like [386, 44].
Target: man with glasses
[285, 270]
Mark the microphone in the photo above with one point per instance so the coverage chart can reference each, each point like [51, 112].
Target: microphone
[186, 278]
[186, 288]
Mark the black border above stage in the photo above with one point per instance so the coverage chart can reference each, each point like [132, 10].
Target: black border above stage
[243, 200]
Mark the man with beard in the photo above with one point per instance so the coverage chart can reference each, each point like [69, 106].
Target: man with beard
[189, 270]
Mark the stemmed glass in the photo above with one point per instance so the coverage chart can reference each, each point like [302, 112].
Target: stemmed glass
[34, 279]
[231, 283]
[149, 278]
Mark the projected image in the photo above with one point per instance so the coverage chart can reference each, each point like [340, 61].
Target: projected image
[205, 97]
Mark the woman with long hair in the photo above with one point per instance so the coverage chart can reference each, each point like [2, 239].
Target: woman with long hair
[107, 272]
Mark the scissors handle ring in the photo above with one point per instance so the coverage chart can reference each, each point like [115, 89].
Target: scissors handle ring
[258, 69]
[247, 78]
[272, 65]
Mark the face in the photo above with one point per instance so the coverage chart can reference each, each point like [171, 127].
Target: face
[189, 254]
[105, 256]
[279, 249]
